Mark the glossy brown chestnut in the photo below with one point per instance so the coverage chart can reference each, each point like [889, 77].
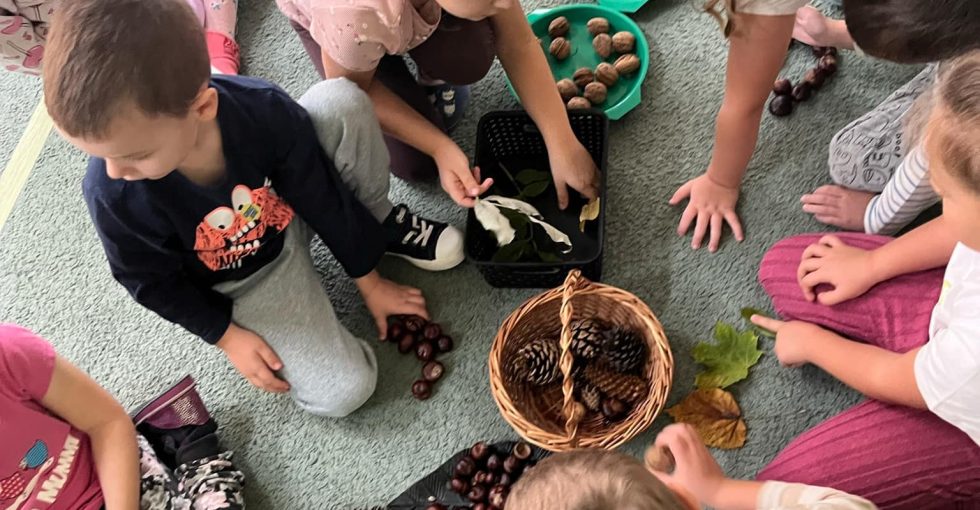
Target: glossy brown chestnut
[459, 486]
[422, 389]
[477, 494]
[432, 371]
[425, 351]
[444, 344]
[494, 463]
[414, 323]
[406, 343]
[395, 331]
[431, 331]
[522, 451]
[464, 468]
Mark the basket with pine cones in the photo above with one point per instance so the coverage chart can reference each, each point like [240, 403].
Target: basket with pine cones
[584, 365]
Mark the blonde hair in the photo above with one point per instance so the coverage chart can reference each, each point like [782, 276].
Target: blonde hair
[591, 480]
[723, 11]
[953, 131]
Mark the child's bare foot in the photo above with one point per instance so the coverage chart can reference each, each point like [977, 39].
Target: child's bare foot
[838, 206]
[815, 29]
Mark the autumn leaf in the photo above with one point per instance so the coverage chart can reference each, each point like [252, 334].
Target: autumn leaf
[715, 415]
[727, 361]
[590, 212]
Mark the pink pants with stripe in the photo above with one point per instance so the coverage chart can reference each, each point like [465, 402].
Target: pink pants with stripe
[896, 456]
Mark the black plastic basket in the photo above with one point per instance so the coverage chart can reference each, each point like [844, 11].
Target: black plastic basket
[510, 138]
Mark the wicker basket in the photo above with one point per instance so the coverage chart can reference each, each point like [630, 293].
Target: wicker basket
[550, 417]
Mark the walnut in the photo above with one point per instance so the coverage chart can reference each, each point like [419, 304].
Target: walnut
[598, 26]
[627, 64]
[607, 74]
[602, 45]
[623, 42]
[558, 27]
[583, 76]
[577, 103]
[561, 48]
[596, 92]
[567, 89]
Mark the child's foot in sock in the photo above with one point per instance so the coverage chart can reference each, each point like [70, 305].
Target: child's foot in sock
[838, 206]
[450, 101]
[223, 52]
[425, 243]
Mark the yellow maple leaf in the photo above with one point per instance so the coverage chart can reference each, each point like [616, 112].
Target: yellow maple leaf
[590, 212]
[716, 416]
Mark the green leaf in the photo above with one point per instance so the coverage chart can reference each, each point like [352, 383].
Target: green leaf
[530, 175]
[511, 252]
[535, 188]
[747, 314]
[727, 361]
[547, 256]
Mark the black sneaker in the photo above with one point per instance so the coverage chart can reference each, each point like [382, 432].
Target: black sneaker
[427, 244]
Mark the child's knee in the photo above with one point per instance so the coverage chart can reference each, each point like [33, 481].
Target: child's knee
[336, 100]
[339, 400]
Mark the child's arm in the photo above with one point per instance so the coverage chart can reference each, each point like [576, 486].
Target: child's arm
[756, 53]
[80, 401]
[852, 271]
[875, 372]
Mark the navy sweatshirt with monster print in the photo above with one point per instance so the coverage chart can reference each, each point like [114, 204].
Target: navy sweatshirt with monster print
[168, 241]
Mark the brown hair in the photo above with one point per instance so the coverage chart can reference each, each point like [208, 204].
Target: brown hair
[914, 30]
[953, 132]
[103, 53]
[591, 480]
[722, 11]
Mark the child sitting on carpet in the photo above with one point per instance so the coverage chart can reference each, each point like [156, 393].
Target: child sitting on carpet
[602, 479]
[206, 194]
[66, 443]
[917, 443]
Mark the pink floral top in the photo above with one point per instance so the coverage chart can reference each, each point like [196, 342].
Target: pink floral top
[357, 33]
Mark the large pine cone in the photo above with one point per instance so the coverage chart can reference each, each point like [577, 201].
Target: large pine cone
[588, 337]
[625, 351]
[537, 362]
[628, 388]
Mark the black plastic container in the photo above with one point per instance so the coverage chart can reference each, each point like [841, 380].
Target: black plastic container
[511, 139]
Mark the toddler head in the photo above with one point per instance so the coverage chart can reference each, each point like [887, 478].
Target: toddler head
[475, 10]
[126, 81]
[952, 142]
[913, 30]
[592, 480]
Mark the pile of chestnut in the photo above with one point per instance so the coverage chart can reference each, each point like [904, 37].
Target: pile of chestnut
[787, 94]
[427, 340]
[485, 475]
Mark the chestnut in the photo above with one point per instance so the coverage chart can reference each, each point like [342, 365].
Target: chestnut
[479, 451]
[406, 343]
[828, 64]
[781, 106]
[425, 351]
[494, 463]
[782, 87]
[459, 486]
[477, 494]
[436, 506]
[395, 332]
[414, 323]
[802, 91]
[498, 495]
[614, 409]
[422, 389]
[464, 468]
[583, 76]
[558, 27]
[522, 451]
[481, 478]
[431, 331]
[432, 371]
[506, 480]
[480, 506]
[598, 26]
[444, 344]
[513, 465]
[818, 51]
[815, 77]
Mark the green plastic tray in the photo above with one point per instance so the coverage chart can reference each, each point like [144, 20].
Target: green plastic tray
[625, 95]
[624, 5]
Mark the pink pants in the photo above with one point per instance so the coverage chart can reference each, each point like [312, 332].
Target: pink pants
[898, 457]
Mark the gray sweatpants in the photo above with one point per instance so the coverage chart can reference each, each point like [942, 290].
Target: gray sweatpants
[330, 371]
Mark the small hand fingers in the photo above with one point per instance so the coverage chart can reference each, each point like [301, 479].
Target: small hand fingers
[690, 212]
[767, 322]
[681, 193]
[823, 210]
[700, 228]
[831, 241]
[562, 189]
[717, 223]
[735, 225]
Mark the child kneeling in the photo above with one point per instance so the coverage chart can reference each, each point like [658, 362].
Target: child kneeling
[206, 194]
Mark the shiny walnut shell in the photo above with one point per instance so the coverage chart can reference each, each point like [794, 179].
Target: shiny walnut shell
[595, 92]
[607, 74]
[627, 64]
[583, 76]
[558, 27]
[598, 26]
[623, 42]
[578, 103]
[567, 89]
[602, 44]
[560, 48]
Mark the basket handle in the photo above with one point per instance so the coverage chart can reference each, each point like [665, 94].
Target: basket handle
[573, 411]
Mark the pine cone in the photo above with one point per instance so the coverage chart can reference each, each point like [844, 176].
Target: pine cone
[590, 397]
[537, 362]
[625, 351]
[588, 336]
[628, 388]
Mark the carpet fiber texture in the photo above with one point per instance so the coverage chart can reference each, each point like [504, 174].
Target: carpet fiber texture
[54, 278]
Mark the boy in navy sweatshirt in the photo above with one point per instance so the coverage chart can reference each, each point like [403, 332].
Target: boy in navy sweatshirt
[206, 191]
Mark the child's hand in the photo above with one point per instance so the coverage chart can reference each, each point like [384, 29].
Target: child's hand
[695, 471]
[256, 361]
[572, 166]
[711, 204]
[829, 261]
[793, 339]
[457, 178]
[385, 298]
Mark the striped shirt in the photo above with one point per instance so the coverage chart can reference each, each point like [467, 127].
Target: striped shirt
[904, 197]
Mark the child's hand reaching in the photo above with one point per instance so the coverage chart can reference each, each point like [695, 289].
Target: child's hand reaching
[793, 339]
[572, 167]
[385, 298]
[849, 270]
[711, 204]
[253, 358]
[458, 180]
[697, 475]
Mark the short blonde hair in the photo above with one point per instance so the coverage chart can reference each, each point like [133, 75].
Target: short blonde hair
[591, 480]
[954, 127]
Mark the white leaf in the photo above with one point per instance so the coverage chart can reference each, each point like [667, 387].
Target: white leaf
[517, 205]
[556, 235]
[490, 217]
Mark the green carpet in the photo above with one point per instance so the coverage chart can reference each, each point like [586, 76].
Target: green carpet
[54, 279]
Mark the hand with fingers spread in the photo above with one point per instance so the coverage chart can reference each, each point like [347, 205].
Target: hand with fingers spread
[253, 358]
[385, 298]
[458, 179]
[710, 205]
[838, 206]
[850, 271]
[793, 339]
[572, 167]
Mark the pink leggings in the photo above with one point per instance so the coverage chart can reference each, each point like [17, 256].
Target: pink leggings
[898, 457]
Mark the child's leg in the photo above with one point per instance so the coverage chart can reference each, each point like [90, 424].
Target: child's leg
[330, 372]
[893, 315]
[351, 137]
[895, 456]
[212, 483]
[158, 488]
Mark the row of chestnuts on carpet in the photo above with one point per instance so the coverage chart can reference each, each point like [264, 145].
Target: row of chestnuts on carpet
[589, 87]
[786, 94]
[427, 340]
[607, 369]
[485, 476]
